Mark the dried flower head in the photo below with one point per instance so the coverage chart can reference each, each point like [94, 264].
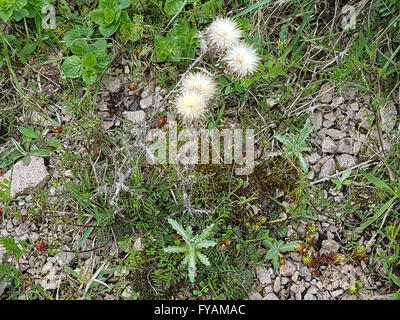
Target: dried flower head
[201, 83]
[242, 60]
[191, 105]
[223, 33]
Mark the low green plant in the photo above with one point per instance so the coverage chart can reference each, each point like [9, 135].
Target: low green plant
[203, 289]
[33, 144]
[13, 275]
[20, 9]
[13, 9]
[276, 248]
[18, 249]
[89, 56]
[5, 193]
[390, 257]
[356, 287]
[97, 207]
[295, 144]
[180, 42]
[192, 247]
[393, 189]
[109, 15]
[342, 180]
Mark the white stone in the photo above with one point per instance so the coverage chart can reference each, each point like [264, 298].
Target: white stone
[136, 117]
[27, 179]
[64, 258]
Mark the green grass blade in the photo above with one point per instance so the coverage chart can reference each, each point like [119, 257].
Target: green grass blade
[251, 8]
[376, 216]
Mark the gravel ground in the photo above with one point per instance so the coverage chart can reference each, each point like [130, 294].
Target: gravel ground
[342, 138]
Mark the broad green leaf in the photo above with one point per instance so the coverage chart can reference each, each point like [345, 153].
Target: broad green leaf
[72, 67]
[108, 31]
[53, 142]
[79, 46]
[378, 182]
[20, 14]
[29, 132]
[166, 49]
[6, 14]
[89, 75]
[102, 62]
[98, 16]
[273, 254]
[89, 59]
[287, 246]
[171, 7]
[19, 4]
[98, 45]
[108, 17]
[346, 173]
[29, 48]
[71, 36]
[26, 160]
[40, 152]
[124, 4]
[110, 4]
[131, 30]
[9, 157]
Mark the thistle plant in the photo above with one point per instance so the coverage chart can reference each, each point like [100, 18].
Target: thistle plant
[222, 34]
[223, 39]
[192, 248]
[191, 104]
[296, 144]
[241, 60]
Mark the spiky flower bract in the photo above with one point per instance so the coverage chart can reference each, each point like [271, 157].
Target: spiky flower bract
[201, 83]
[241, 60]
[191, 105]
[223, 33]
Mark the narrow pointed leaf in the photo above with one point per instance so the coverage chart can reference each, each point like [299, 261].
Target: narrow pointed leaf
[203, 259]
[205, 244]
[179, 229]
[175, 249]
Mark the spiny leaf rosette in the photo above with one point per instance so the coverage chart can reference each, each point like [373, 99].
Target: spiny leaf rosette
[192, 247]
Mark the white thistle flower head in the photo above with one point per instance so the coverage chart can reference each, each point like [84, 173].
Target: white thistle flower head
[242, 60]
[223, 33]
[201, 83]
[191, 105]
